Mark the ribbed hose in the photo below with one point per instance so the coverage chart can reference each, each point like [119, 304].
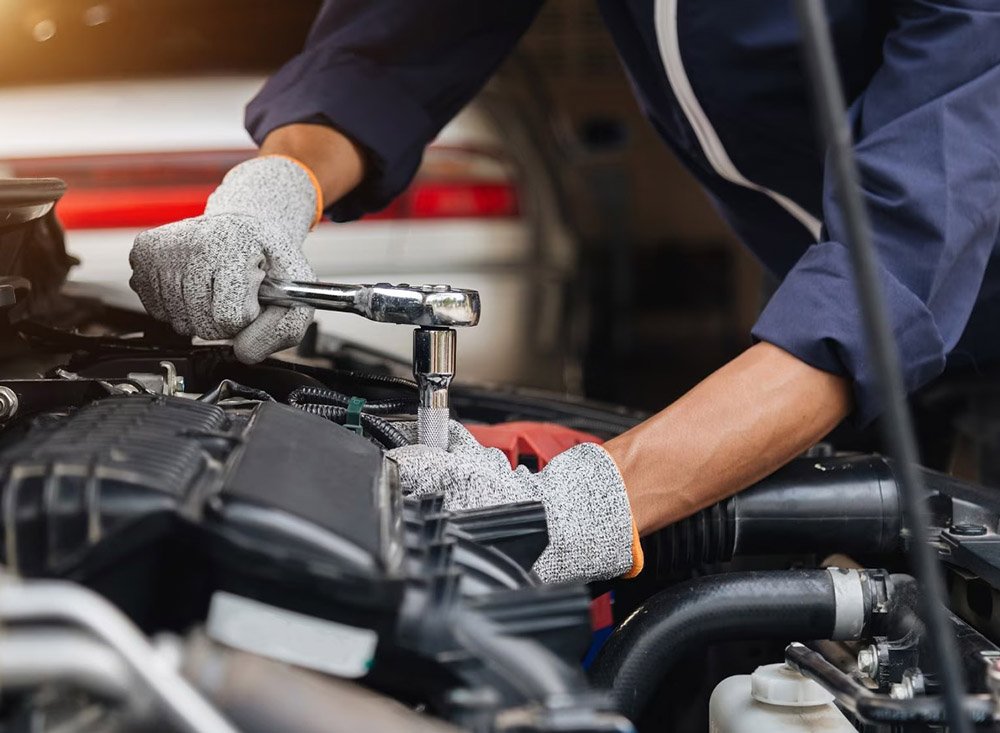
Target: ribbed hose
[843, 504]
[702, 539]
[372, 379]
[323, 396]
[785, 605]
[382, 430]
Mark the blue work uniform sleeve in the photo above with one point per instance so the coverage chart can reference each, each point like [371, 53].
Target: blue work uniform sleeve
[928, 146]
[389, 74]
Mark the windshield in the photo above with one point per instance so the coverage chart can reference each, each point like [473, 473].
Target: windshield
[44, 41]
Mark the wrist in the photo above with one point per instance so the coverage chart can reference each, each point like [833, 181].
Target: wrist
[638, 557]
[335, 161]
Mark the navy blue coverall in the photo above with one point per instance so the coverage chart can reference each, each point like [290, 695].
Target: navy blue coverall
[722, 82]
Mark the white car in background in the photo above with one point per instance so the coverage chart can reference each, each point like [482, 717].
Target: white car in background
[148, 149]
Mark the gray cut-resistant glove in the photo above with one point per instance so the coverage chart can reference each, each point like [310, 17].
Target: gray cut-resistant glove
[202, 274]
[588, 513]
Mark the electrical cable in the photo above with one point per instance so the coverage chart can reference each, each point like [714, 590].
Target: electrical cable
[310, 395]
[896, 423]
[374, 379]
[378, 428]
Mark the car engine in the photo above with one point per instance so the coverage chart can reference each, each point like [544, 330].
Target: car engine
[196, 544]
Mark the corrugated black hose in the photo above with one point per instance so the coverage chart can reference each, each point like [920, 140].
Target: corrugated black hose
[324, 396]
[380, 429]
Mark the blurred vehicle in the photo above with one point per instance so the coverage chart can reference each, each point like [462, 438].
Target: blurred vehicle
[139, 108]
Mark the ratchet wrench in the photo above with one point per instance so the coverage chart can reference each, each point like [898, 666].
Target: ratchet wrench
[413, 305]
[434, 309]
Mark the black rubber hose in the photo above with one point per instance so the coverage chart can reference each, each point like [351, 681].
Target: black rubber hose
[382, 430]
[325, 396]
[228, 388]
[897, 424]
[784, 605]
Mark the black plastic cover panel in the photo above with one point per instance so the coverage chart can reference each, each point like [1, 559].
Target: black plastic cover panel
[293, 460]
[70, 483]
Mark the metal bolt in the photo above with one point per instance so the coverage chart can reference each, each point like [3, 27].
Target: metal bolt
[899, 691]
[868, 661]
[911, 685]
[914, 680]
[8, 403]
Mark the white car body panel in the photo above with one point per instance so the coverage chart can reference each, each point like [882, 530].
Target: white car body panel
[190, 114]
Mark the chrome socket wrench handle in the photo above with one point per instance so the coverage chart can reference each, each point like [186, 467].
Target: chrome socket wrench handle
[433, 368]
[412, 305]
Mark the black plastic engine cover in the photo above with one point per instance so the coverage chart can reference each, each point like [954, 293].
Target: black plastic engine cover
[158, 501]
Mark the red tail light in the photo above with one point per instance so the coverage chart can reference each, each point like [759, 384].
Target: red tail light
[453, 200]
[458, 183]
[133, 190]
[131, 208]
[149, 189]
[475, 200]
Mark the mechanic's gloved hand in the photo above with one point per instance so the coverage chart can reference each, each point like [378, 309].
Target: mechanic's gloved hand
[591, 532]
[202, 274]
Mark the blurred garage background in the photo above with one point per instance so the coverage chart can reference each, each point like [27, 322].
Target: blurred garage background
[603, 268]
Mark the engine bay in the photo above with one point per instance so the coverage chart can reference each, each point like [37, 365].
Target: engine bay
[192, 543]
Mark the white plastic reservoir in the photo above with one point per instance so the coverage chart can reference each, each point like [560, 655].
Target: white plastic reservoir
[774, 699]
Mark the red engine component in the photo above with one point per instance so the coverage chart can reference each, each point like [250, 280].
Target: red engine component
[530, 442]
[540, 442]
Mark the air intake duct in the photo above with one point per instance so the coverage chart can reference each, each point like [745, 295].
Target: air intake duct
[843, 504]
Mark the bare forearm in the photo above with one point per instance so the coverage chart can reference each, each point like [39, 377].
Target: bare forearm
[739, 425]
[333, 158]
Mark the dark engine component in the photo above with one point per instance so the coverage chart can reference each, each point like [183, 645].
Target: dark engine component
[120, 463]
[787, 605]
[846, 504]
[173, 508]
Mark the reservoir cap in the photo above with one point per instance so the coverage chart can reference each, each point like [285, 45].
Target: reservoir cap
[779, 684]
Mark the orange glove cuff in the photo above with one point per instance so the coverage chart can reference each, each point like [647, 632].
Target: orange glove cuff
[312, 179]
[638, 558]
